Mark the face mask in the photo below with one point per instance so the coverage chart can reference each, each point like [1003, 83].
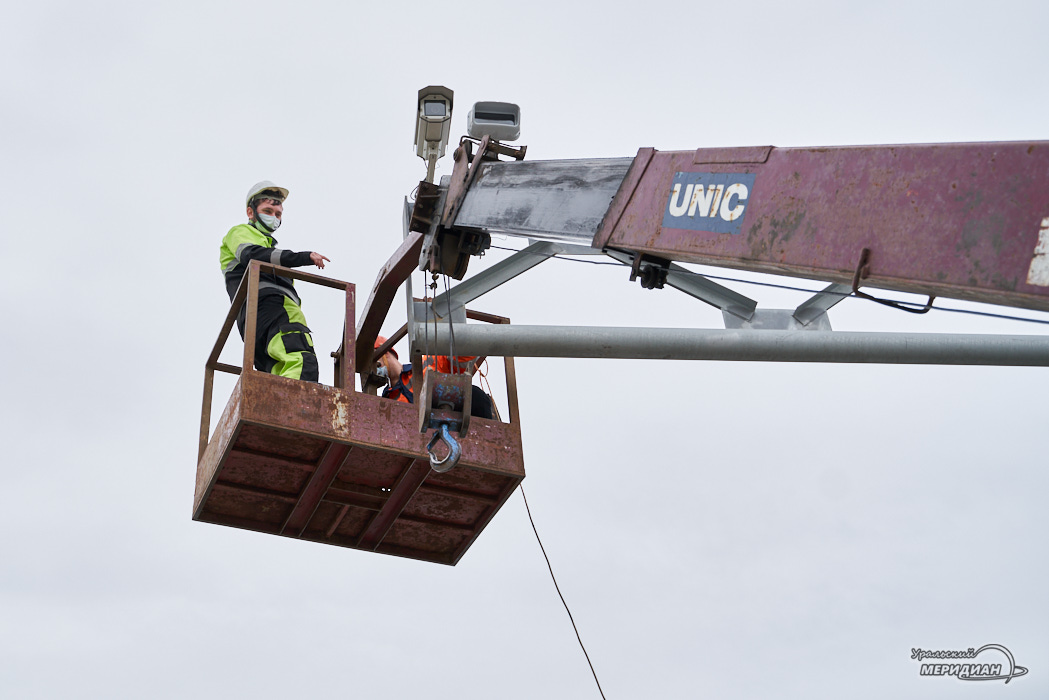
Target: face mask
[382, 372]
[270, 222]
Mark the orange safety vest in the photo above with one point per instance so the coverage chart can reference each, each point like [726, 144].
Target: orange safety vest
[402, 390]
[441, 363]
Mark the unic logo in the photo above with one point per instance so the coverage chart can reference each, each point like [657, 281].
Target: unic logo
[971, 669]
[712, 202]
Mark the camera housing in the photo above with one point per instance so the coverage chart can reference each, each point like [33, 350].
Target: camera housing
[433, 125]
[499, 120]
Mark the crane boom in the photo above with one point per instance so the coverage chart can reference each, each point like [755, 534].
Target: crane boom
[967, 221]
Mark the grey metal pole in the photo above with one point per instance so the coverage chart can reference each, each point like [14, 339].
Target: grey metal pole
[745, 345]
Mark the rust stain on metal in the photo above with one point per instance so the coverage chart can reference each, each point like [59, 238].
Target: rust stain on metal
[952, 220]
[340, 417]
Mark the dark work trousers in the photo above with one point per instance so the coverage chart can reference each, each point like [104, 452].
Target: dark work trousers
[283, 345]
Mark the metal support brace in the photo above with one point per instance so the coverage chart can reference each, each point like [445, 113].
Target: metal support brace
[823, 300]
[573, 249]
[699, 287]
[776, 320]
[500, 273]
[691, 283]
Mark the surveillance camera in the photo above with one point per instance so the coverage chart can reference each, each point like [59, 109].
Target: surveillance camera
[499, 120]
[433, 125]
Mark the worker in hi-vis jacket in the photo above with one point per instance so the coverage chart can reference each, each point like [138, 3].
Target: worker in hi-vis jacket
[283, 345]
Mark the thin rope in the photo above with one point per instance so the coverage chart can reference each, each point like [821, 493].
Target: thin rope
[483, 375]
[558, 588]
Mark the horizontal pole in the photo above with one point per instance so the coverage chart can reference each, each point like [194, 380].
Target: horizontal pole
[744, 345]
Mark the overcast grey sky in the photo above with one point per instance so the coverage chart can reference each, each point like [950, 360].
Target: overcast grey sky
[723, 530]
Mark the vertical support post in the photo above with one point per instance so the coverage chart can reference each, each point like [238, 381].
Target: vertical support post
[205, 410]
[508, 365]
[511, 390]
[431, 167]
[511, 385]
[213, 364]
[252, 314]
[349, 340]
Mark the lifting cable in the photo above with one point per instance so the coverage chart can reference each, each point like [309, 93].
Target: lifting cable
[426, 325]
[441, 395]
[452, 360]
[428, 300]
[558, 588]
[915, 305]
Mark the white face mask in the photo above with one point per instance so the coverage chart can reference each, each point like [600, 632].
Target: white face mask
[270, 222]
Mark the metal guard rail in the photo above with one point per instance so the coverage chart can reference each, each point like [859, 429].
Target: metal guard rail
[248, 293]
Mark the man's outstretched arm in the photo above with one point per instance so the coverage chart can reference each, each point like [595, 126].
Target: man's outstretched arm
[245, 248]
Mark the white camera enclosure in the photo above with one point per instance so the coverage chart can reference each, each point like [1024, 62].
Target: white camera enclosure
[434, 121]
[499, 120]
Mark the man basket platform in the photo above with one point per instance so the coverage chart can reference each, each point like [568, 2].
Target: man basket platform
[338, 466]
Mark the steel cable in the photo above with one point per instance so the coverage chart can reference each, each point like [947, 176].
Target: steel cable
[452, 361]
[558, 588]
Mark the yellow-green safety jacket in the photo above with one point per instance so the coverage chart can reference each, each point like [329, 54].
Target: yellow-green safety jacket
[245, 243]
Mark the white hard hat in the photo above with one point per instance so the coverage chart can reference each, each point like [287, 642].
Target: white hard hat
[260, 187]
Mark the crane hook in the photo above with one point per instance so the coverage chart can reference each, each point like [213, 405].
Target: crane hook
[454, 450]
